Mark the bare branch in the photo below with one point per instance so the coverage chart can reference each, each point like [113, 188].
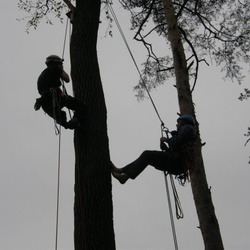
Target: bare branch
[145, 19]
[195, 56]
[69, 4]
[181, 9]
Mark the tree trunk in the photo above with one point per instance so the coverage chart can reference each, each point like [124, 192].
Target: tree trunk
[93, 207]
[202, 196]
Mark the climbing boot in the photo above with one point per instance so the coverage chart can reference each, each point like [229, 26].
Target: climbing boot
[73, 124]
[115, 169]
[121, 177]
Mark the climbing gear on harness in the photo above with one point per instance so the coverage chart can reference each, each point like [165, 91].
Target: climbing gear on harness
[187, 156]
[188, 159]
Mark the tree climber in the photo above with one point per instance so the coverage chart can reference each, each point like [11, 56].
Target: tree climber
[172, 158]
[52, 98]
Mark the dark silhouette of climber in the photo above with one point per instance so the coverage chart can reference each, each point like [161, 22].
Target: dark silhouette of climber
[52, 98]
[172, 157]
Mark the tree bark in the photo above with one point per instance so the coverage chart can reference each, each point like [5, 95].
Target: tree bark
[93, 208]
[202, 196]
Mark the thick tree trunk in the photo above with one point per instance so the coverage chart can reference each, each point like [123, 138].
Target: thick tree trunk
[93, 200]
[208, 222]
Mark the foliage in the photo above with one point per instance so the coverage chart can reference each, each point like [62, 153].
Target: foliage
[48, 9]
[244, 96]
[40, 9]
[216, 31]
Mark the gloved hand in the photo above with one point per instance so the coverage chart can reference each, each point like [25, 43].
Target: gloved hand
[174, 133]
[38, 104]
[163, 146]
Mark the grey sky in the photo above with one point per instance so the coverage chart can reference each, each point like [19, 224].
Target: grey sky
[29, 148]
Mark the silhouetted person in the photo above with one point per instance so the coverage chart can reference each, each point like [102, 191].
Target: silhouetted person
[52, 97]
[173, 157]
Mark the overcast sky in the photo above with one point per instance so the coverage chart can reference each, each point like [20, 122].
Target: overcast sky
[29, 148]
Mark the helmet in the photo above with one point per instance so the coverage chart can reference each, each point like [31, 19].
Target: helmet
[188, 118]
[53, 58]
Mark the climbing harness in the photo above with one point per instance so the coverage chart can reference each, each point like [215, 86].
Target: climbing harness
[187, 152]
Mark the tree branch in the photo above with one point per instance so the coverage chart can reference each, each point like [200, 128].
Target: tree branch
[195, 56]
[145, 20]
[70, 5]
[181, 9]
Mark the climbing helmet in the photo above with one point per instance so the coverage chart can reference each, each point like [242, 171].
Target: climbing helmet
[188, 118]
[53, 58]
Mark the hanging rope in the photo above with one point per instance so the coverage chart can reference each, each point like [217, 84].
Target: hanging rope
[65, 38]
[64, 46]
[58, 132]
[58, 188]
[171, 213]
[109, 4]
[178, 208]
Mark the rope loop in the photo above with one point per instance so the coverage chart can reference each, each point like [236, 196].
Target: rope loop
[171, 211]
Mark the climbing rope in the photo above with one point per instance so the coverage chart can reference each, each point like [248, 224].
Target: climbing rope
[58, 188]
[64, 46]
[65, 38]
[58, 132]
[171, 212]
[109, 4]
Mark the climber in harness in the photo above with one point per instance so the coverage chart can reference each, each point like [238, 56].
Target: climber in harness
[52, 98]
[170, 159]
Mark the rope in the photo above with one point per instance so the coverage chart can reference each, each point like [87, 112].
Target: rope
[64, 46]
[58, 188]
[171, 212]
[58, 132]
[55, 104]
[178, 208]
[65, 38]
[109, 4]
